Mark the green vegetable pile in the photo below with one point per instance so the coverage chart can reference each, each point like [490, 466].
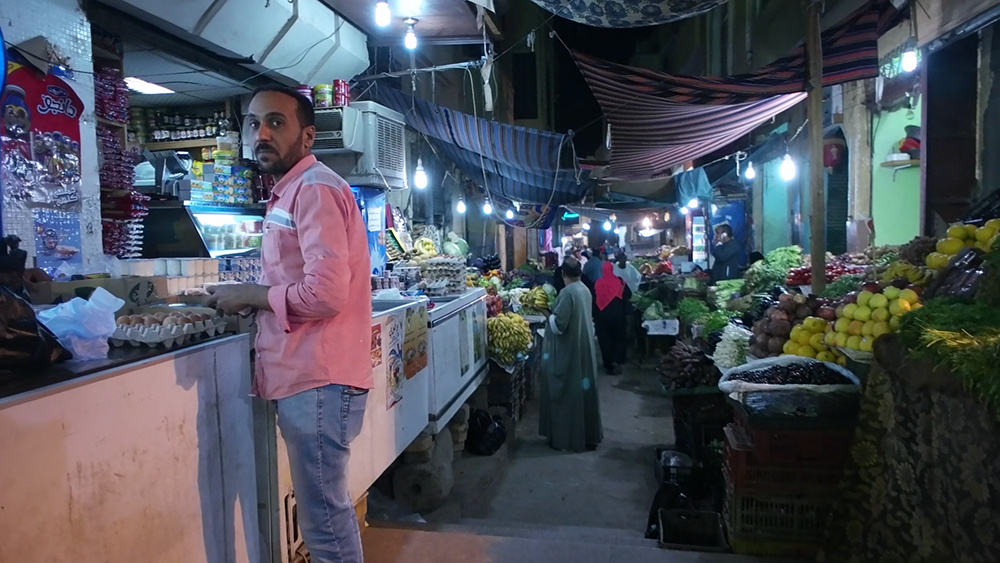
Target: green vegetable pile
[723, 290]
[716, 320]
[654, 312]
[690, 309]
[773, 269]
[842, 285]
[964, 337]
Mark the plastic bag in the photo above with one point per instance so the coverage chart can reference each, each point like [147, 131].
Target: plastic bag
[25, 344]
[486, 433]
[84, 326]
[729, 384]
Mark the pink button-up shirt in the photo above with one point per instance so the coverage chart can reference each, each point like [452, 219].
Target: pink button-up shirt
[315, 260]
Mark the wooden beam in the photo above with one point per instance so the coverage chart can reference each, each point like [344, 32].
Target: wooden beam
[817, 196]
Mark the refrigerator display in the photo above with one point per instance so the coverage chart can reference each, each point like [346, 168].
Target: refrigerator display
[176, 230]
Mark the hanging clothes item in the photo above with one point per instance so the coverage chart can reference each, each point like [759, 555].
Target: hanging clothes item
[692, 185]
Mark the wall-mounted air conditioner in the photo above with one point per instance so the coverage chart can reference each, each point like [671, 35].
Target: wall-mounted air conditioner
[364, 143]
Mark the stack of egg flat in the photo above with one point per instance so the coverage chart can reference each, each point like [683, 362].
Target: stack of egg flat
[168, 329]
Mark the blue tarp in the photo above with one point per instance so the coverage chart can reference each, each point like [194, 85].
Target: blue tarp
[512, 162]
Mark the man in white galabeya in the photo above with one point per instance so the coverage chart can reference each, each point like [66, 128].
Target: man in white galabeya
[314, 318]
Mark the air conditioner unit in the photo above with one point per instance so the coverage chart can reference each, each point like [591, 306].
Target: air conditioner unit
[363, 143]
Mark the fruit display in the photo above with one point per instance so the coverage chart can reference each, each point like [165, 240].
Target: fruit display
[805, 373]
[962, 277]
[958, 238]
[834, 270]
[687, 366]
[509, 338]
[538, 299]
[916, 275]
[917, 250]
[491, 262]
[732, 349]
[494, 305]
[423, 249]
[870, 313]
[772, 332]
[809, 340]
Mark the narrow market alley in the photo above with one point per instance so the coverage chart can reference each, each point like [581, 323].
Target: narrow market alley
[548, 506]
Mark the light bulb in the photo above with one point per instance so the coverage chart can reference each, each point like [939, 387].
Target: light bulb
[509, 214]
[460, 207]
[419, 176]
[750, 173]
[715, 209]
[646, 223]
[383, 16]
[693, 204]
[787, 169]
[613, 218]
[607, 225]
[666, 217]
[487, 208]
[585, 226]
[909, 61]
[410, 41]
[684, 211]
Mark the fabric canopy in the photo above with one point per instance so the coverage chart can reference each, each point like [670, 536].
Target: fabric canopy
[511, 162]
[627, 13]
[659, 121]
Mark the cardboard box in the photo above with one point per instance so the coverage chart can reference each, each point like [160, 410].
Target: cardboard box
[141, 291]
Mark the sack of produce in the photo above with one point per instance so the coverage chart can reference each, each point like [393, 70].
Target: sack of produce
[788, 373]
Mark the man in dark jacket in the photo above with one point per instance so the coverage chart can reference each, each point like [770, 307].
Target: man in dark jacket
[727, 255]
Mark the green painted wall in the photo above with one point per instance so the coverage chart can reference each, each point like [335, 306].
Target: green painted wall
[895, 203]
[776, 220]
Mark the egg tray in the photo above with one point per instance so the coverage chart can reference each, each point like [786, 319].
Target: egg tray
[168, 337]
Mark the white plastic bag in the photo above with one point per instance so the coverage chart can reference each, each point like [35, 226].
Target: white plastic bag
[729, 384]
[84, 326]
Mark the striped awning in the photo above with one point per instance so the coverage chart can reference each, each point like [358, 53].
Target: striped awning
[627, 13]
[515, 163]
[659, 121]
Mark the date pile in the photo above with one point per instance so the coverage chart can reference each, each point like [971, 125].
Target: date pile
[812, 373]
[687, 366]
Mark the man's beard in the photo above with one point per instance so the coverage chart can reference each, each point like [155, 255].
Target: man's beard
[283, 163]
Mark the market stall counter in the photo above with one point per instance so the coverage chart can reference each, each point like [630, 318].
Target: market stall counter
[151, 447]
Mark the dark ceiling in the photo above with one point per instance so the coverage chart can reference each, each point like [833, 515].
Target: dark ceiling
[440, 21]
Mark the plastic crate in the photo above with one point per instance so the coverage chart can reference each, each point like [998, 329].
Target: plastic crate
[750, 477]
[692, 530]
[772, 548]
[799, 448]
[683, 476]
[779, 517]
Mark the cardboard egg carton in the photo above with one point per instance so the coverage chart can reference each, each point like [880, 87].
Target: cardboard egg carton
[166, 336]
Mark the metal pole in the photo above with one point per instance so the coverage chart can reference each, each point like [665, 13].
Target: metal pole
[817, 196]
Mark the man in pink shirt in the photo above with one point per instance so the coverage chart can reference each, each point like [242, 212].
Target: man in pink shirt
[314, 318]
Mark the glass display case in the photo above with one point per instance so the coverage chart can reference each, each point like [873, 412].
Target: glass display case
[179, 230]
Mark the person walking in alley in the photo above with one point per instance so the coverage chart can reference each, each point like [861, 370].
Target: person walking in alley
[611, 296]
[569, 411]
[314, 318]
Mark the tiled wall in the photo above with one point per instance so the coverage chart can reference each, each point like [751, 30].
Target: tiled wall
[65, 25]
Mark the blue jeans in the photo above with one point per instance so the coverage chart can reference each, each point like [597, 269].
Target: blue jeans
[318, 426]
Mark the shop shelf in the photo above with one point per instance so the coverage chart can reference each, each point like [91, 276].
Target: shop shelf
[179, 145]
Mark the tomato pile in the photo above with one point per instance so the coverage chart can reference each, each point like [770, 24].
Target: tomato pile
[835, 269]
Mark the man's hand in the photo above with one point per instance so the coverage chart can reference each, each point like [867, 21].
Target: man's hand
[230, 299]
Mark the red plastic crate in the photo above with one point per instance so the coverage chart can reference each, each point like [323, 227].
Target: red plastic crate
[748, 476]
[790, 447]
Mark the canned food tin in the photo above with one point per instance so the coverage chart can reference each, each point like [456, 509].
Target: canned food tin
[323, 95]
[305, 91]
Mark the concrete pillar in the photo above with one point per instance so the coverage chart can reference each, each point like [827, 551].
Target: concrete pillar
[857, 132]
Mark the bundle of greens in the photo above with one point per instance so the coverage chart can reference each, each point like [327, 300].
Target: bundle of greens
[773, 269]
[722, 291]
[690, 309]
[842, 286]
[964, 337]
[713, 321]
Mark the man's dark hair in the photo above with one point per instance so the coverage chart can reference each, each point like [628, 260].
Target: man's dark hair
[306, 115]
[725, 229]
[571, 268]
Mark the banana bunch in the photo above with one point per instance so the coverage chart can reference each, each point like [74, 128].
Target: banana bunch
[536, 299]
[917, 275]
[509, 337]
[423, 249]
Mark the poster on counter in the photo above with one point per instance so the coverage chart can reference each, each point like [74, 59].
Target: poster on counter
[478, 334]
[463, 340]
[376, 347]
[415, 342]
[57, 239]
[393, 339]
[40, 138]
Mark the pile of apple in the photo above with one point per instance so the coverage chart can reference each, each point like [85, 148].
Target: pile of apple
[809, 340]
[866, 315]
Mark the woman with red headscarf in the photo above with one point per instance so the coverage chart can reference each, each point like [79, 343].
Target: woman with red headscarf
[611, 296]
